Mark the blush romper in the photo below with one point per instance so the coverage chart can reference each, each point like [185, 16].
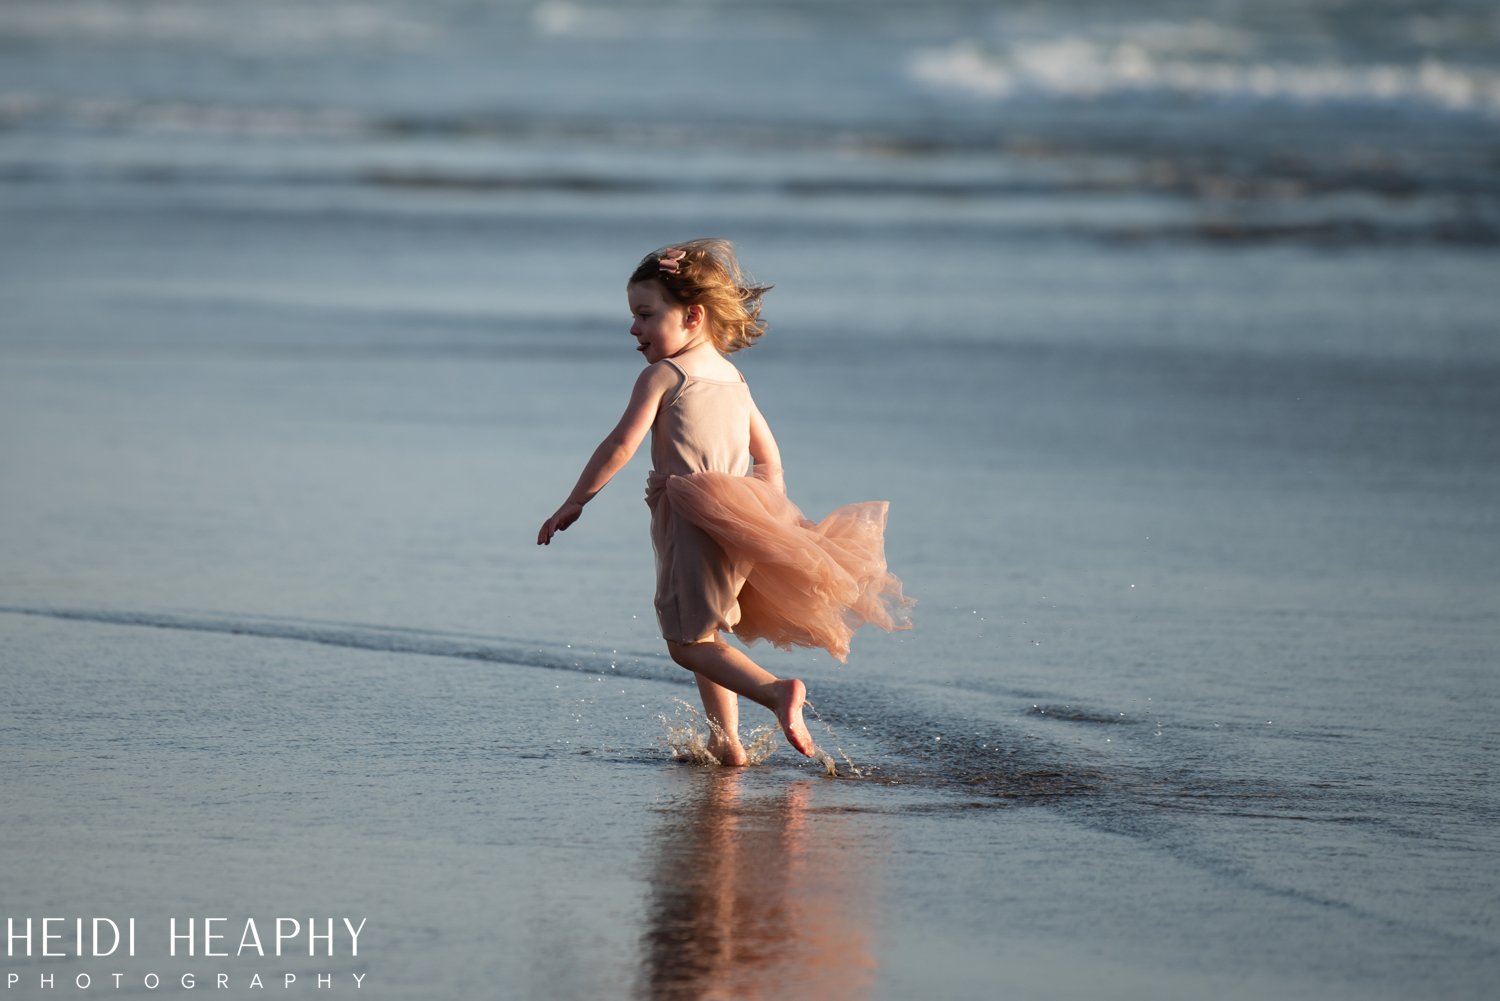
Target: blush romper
[702, 426]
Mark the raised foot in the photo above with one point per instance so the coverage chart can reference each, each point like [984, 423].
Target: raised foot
[790, 695]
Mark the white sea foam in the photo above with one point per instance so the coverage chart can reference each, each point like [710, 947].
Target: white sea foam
[1192, 62]
[560, 18]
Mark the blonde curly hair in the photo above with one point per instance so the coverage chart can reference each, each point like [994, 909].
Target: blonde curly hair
[705, 273]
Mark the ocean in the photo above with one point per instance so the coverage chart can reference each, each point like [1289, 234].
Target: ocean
[1168, 330]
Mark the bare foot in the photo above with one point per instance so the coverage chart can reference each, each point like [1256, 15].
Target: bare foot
[730, 753]
[790, 695]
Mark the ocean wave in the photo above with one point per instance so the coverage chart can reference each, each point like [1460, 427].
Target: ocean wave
[566, 154]
[1193, 63]
[1209, 211]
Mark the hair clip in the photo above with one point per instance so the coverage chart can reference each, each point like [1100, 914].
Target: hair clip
[669, 259]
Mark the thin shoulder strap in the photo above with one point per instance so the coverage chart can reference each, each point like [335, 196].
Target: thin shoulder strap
[682, 381]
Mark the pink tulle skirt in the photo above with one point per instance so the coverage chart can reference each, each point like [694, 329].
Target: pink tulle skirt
[806, 584]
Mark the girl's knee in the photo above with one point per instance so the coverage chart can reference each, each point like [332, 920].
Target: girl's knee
[682, 654]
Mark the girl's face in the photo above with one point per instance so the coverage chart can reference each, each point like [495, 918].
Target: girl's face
[662, 329]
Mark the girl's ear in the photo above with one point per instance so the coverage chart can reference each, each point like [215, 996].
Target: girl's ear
[692, 316]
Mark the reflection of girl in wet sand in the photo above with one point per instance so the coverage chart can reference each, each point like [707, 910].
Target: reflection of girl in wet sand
[732, 553]
[747, 903]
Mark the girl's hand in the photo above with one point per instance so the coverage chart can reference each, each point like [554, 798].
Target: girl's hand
[565, 516]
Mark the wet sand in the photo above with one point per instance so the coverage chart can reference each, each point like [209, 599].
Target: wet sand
[515, 828]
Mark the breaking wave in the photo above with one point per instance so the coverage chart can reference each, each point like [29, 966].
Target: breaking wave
[1144, 65]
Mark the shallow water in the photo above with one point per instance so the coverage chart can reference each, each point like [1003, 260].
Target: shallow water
[1183, 390]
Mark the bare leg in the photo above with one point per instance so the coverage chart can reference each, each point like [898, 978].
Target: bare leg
[729, 668]
[723, 710]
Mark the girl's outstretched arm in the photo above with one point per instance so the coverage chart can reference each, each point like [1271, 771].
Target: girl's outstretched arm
[616, 449]
[764, 451]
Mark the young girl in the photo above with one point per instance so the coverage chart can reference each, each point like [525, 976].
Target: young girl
[732, 553]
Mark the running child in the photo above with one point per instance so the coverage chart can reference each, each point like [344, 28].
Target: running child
[733, 554]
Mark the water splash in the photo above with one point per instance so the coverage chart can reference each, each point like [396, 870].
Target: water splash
[819, 755]
[688, 733]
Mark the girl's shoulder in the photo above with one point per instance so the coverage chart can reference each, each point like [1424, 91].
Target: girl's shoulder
[660, 376]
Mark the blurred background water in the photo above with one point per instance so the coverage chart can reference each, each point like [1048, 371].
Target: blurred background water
[1168, 329]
